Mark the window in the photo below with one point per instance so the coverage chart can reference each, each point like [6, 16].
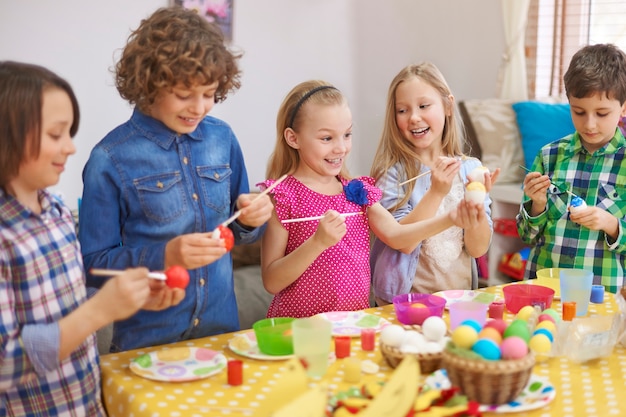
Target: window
[556, 29]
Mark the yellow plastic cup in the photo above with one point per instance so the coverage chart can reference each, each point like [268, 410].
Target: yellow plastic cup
[549, 277]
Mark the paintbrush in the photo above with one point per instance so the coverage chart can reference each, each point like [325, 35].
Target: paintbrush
[551, 182]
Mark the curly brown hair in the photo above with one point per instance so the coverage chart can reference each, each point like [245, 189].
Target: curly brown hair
[175, 46]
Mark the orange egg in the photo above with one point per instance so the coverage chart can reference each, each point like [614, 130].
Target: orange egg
[418, 305]
[491, 334]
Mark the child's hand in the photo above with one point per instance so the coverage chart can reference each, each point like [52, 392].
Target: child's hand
[162, 296]
[491, 179]
[123, 295]
[536, 188]
[468, 215]
[193, 250]
[443, 173]
[331, 229]
[254, 213]
[594, 218]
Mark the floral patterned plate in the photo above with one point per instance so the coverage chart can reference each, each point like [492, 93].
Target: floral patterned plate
[538, 393]
[179, 364]
[350, 323]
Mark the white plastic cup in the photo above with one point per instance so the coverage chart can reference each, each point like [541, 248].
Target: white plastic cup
[576, 286]
[467, 310]
[311, 343]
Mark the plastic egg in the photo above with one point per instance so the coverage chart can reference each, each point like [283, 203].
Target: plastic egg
[478, 174]
[518, 328]
[576, 204]
[540, 343]
[392, 335]
[546, 325]
[498, 324]
[552, 312]
[434, 328]
[487, 348]
[472, 323]
[464, 336]
[546, 332]
[525, 313]
[491, 334]
[475, 192]
[514, 348]
[413, 337]
[544, 317]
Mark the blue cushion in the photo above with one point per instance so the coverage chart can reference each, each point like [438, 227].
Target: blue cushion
[541, 123]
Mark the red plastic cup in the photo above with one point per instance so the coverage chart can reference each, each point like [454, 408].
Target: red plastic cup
[235, 372]
[368, 339]
[496, 309]
[342, 346]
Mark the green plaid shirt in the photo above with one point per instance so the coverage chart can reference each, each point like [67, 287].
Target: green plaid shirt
[600, 180]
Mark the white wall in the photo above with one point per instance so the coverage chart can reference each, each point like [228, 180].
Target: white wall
[358, 45]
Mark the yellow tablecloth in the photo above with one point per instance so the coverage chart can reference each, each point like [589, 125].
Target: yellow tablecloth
[596, 388]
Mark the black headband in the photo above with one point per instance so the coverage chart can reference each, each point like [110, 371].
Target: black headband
[303, 99]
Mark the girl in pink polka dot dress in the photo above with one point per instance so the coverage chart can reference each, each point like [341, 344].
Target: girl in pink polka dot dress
[322, 264]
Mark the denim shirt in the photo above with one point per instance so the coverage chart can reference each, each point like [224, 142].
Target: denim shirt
[144, 185]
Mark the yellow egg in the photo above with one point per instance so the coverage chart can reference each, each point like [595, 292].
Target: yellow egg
[540, 343]
[464, 336]
[546, 324]
[525, 312]
[418, 305]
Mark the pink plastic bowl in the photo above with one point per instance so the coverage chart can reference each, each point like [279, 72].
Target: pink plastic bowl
[414, 308]
[517, 296]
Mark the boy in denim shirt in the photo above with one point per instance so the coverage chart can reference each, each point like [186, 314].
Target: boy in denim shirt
[588, 163]
[156, 186]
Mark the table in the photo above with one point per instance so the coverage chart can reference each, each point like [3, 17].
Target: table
[590, 389]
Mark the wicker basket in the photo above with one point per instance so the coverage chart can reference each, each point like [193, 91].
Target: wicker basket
[429, 362]
[488, 382]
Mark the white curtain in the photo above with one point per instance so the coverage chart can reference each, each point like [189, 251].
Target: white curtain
[512, 77]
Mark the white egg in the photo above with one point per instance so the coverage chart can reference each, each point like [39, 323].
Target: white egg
[413, 337]
[392, 335]
[408, 348]
[475, 196]
[432, 347]
[478, 174]
[577, 204]
[434, 328]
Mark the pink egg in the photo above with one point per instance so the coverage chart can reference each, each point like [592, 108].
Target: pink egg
[498, 324]
[545, 316]
[513, 347]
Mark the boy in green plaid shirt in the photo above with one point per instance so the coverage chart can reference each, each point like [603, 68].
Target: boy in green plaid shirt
[591, 164]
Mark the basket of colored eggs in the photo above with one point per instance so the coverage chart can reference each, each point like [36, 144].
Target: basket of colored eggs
[492, 364]
[426, 343]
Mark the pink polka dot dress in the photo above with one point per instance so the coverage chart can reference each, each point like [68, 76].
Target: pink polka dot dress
[339, 279]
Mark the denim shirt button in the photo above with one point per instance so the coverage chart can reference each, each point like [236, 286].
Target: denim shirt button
[195, 197]
[202, 282]
[195, 322]
[185, 160]
[216, 176]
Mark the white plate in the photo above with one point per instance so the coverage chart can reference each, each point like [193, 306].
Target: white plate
[538, 393]
[350, 323]
[179, 364]
[245, 344]
[453, 296]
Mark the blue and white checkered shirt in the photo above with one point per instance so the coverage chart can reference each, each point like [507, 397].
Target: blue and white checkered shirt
[41, 281]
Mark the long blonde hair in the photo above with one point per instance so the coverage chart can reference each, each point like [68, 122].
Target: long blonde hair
[393, 147]
[285, 159]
